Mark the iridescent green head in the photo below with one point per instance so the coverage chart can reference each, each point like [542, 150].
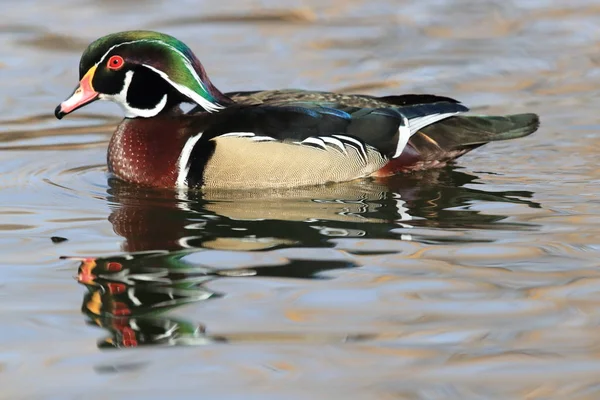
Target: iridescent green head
[144, 72]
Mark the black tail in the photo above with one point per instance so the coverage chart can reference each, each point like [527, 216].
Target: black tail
[455, 136]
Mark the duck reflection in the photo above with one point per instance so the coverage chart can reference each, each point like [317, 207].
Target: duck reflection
[129, 296]
[303, 217]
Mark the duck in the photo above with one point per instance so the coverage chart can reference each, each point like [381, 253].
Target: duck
[263, 138]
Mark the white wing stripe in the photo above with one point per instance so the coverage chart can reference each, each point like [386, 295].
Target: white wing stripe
[237, 134]
[419, 123]
[404, 133]
[359, 152]
[252, 136]
[315, 141]
[412, 126]
[262, 139]
[335, 142]
[354, 143]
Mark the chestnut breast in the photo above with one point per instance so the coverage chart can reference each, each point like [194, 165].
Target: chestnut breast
[146, 151]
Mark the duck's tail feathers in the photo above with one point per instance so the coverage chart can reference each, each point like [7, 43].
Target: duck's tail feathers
[443, 141]
[457, 135]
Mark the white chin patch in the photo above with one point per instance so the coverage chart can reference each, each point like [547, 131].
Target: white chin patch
[131, 112]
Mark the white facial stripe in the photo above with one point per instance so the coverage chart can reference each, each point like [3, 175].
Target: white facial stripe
[112, 48]
[121, 97]
[131, 112]
[183, 164]
[207, 105]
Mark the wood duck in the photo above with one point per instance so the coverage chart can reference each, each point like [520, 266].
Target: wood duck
[263, 139]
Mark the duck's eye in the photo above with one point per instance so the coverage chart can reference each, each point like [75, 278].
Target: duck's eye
[114, 266]
[115, 63]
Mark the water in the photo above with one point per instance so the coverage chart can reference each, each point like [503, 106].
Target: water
[477, 281]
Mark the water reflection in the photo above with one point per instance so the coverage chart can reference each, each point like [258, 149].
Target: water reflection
[129, 295]
[309, 217]
[166, 233]
[463, 320]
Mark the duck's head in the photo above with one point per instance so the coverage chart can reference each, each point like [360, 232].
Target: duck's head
[145, 72]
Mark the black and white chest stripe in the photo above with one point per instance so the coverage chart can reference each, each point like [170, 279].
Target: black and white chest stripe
[184, 162]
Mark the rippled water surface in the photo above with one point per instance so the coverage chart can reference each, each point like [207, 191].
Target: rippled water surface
[477, 281]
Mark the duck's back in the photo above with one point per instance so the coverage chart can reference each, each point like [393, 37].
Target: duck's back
[439, 135]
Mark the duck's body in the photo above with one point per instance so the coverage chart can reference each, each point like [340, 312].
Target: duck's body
[275, 138]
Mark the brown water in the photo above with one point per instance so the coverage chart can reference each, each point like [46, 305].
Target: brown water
[478, 281]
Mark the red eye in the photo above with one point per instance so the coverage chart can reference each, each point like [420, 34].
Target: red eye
[115, 62]
[114, 266]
